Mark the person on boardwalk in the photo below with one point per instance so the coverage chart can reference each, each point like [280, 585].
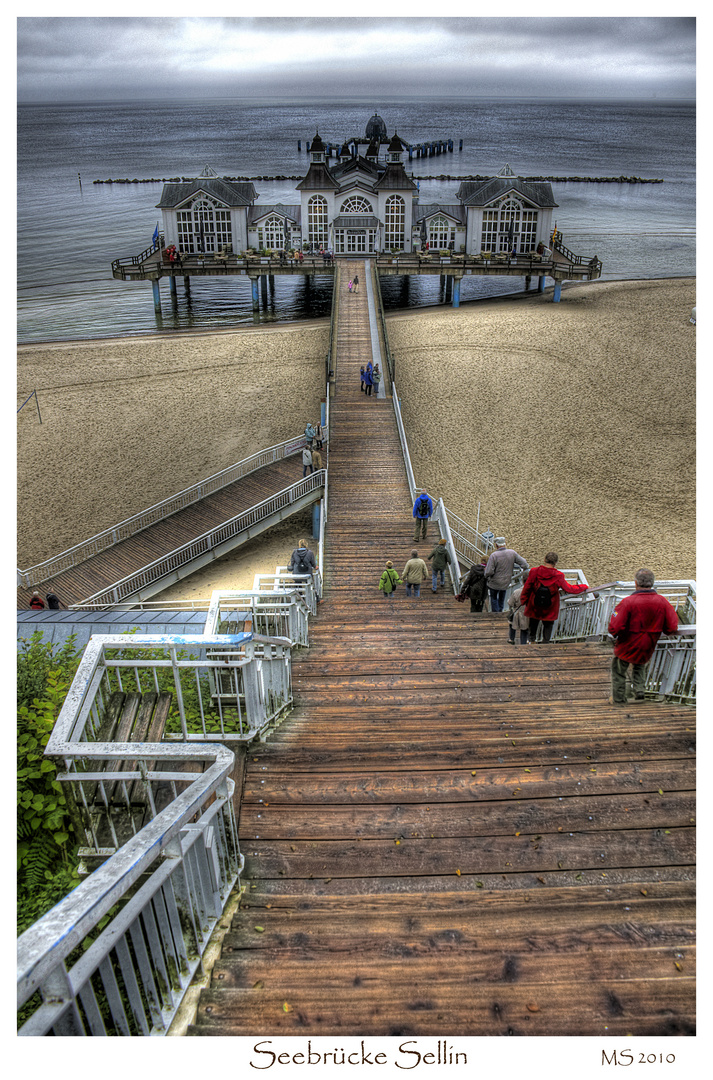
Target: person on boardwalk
[441, 558]
[307, 465]
[53, 602]
[474, 586]
[362, 373]
[356, 282]
[376, 379]
[422, 511]
[318, 435]
[350, 284]
[415, 571]
[309, 435]
[517, 618]
[389, 580]
[637, 624]
[541, 596]
[369, 378]
[36, 602]
[316, 460]
[498, 572]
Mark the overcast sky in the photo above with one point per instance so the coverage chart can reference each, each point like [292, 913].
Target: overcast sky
[90, 59]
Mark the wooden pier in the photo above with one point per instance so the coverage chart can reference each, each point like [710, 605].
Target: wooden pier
[450, 835]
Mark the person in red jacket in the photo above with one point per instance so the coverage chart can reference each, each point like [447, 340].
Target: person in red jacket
[637, 624]
[541, 595]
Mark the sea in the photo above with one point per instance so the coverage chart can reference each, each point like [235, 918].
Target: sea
[69, 228]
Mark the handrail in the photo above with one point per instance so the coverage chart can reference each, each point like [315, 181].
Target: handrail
[390, 364]
[134, 260]
[204, 543]
[143, 519]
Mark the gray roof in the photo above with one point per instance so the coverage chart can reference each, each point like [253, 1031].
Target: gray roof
[352, 164]
[427, 210]
[482, 192]
[395, 179]
[317, 179]
[293, 212]
[56, 626]
[229, 192]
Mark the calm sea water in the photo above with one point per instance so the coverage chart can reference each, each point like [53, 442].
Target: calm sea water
[68, 234]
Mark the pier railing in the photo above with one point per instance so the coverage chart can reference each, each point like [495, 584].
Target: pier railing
[79, 553]
[277, 506]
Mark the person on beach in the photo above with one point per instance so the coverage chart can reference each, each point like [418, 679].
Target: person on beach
[389, 580]
[36, 602]
[369, 378]
[498, 572]
[362, 373]
[316, 460]
[637, 624]
[318, 435]
[356, 282]
[422, 511]
[441, 558]
[474, 586]
[541, 596]
[376, 379]
[307, 462]
[415, 571]
[517, 618]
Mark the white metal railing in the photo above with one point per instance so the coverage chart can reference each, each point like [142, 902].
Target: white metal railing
[272, 614]
[208, 541]
[108, 537]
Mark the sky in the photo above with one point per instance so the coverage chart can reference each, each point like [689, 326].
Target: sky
[107, 59]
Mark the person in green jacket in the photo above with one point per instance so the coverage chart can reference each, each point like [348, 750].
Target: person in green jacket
[441, 558]
[389, 580]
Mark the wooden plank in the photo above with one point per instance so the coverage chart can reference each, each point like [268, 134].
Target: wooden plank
[154, 735]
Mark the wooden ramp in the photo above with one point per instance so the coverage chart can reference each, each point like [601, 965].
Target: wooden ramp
[451, 835]
[131, 555]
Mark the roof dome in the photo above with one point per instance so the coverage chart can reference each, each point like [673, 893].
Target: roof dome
[376, 128]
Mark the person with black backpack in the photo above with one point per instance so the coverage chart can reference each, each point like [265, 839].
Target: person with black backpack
[302, 560]
[422, 510]
[541, 596]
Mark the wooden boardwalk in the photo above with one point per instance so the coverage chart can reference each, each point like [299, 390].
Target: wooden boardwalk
[450, 835]
[131, 555]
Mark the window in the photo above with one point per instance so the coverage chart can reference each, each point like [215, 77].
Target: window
[317, 220]
[441, 233]
[394, 222]
[356, 205]
[271, 232]
[204, 227]
[508, 225]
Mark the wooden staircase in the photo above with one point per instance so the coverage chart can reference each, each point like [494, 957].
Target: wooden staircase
[452, 835]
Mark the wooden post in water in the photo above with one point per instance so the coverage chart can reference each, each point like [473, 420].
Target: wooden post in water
[156, 296]
[456, 291]
[557, 292]
[256, 293]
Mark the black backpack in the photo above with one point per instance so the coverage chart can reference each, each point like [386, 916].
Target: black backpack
[303, 566]
[423, 507]
[542, 597]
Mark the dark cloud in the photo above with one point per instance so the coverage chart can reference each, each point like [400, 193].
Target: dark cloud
[105, 58]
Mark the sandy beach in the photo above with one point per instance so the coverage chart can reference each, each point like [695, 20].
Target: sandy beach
[573, 424]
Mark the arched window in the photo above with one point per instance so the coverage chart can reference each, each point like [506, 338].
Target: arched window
[204, 227]
[507, 225]
[357, 205]
[441, 233]
[271, 232]
[394, 222]
[317, 220]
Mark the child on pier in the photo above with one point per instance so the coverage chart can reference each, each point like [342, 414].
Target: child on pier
[389, 580]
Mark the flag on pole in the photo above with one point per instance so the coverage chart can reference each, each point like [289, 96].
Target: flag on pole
[155, 234]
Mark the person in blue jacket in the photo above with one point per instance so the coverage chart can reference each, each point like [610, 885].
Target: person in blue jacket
[422, 510]
[369, 378]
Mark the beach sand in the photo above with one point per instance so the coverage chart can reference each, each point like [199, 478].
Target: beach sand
[573, 424]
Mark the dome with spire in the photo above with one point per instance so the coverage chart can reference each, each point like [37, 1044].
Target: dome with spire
[376, 128]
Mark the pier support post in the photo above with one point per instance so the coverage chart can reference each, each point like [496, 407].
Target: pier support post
[187, 283]
[156, 297]
[315, 521]
[557, 292]
[256, 293]
[172, 287]
[449, 287]
[528, 281]
[456, 292]
[263, 289]
[541, 283]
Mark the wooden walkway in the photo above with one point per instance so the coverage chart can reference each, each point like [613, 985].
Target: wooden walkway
[450, 835]
[131, 555]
